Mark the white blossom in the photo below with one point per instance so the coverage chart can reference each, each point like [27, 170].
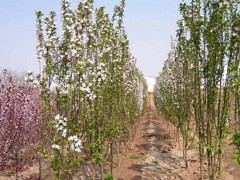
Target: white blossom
[78, 149]
[55, 146]
[61, 123]
[64, 133]
[76, 143]
[57, 117]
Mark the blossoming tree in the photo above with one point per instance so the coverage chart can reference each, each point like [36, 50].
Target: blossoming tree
[90, 85]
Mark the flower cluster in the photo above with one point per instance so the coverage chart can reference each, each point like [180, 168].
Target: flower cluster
[61, 125]
[76, 144]
[32, 79]
[56, 147]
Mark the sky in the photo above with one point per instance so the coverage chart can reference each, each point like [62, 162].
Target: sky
[149, 25]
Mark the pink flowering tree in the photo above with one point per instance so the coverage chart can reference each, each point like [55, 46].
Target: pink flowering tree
[20, 121]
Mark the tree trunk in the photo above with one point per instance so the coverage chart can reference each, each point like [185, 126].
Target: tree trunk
[93, 172]
[16, 160]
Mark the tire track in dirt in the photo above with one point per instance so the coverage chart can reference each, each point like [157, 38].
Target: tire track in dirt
[159, 163]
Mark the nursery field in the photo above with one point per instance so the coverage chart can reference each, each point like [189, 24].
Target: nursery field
[91, 114]
[154, 153]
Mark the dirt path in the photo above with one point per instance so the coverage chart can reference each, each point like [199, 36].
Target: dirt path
[155, 154]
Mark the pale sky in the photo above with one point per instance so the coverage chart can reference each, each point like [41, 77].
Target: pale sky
[149, 24]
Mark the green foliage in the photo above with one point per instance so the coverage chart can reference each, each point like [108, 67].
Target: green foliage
[236, 139]
[43, 153]
[154, 161]
[108, 177]
[91, 88]
[134, 157]
[237, 157]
